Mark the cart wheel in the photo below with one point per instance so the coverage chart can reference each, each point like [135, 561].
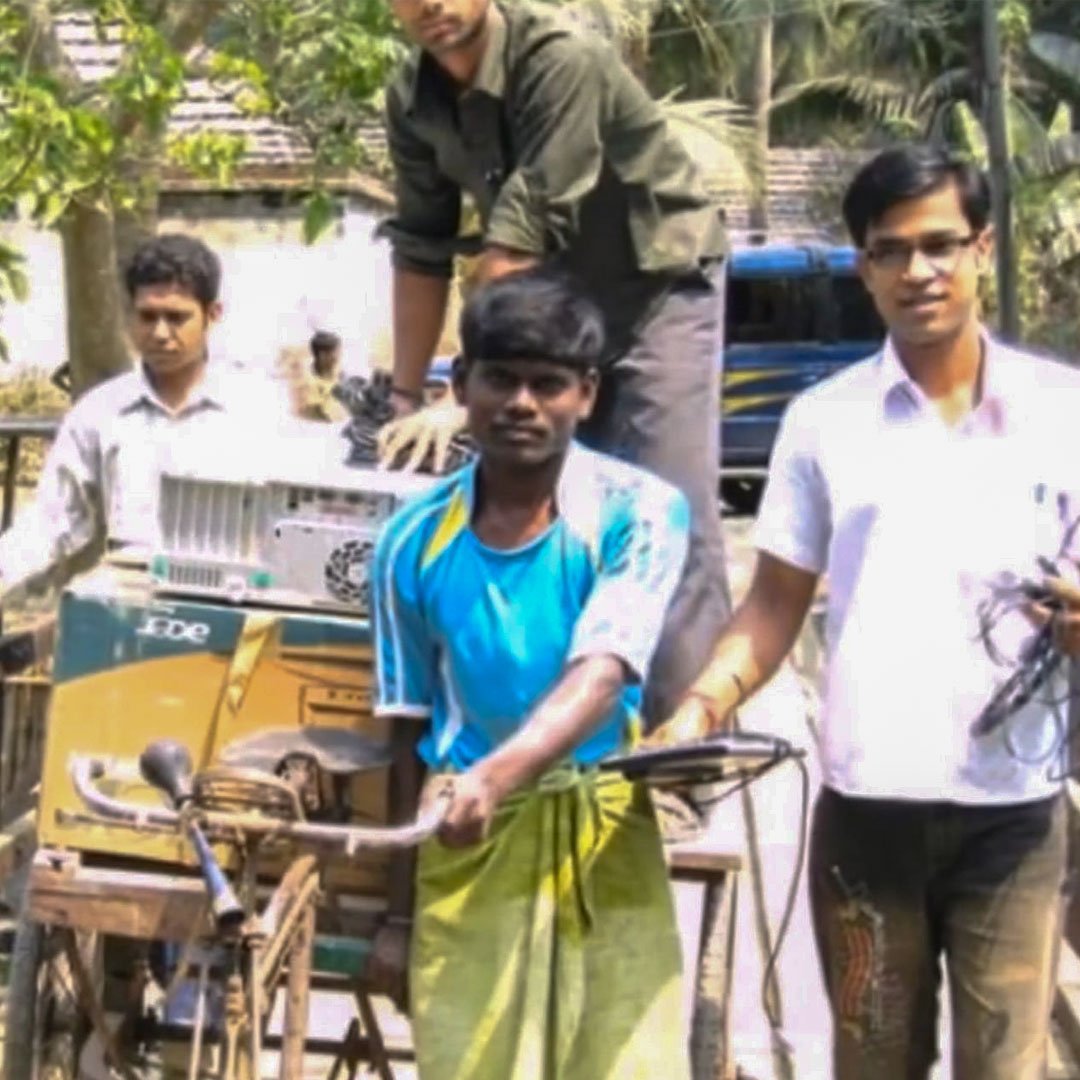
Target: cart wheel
[45, 1027]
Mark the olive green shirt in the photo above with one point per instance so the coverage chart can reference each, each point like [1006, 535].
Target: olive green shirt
[561, 149]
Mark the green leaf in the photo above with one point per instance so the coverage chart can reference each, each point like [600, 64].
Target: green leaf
[1061, 123]
[1054, 159]
[321, 210]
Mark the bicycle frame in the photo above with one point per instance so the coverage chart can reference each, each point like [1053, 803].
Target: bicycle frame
[263, 944]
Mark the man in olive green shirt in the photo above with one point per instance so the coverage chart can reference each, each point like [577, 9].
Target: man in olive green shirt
[567, 159]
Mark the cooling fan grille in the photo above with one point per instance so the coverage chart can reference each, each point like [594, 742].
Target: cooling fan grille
[347, 572]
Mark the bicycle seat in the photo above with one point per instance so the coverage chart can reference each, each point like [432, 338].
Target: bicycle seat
[336, 750]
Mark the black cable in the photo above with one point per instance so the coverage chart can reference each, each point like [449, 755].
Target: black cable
[775, 1022]
[1034, 670]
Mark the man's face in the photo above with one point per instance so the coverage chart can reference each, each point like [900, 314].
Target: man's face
[921, 263]
[326, 362]
[169, 327]
[441, 26]
[524, 412]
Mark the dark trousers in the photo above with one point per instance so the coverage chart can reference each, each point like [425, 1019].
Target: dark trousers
[895, 887]
[659, 407]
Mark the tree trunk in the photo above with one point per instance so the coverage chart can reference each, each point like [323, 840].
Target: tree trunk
[760, 106]
[97, 340]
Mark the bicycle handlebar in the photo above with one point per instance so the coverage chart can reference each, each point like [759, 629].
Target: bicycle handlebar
[87, 770]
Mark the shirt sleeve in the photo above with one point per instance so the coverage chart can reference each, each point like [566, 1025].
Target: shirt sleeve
[65, 517]
[556, 121]
[641, 561]
[424, 230]
[405, 656]
[794, 519]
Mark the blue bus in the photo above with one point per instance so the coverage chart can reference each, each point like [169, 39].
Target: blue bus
[794, 316]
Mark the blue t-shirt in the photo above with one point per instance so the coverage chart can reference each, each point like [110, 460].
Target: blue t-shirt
[474, 637]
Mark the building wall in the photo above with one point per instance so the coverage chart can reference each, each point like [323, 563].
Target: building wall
[276, 290]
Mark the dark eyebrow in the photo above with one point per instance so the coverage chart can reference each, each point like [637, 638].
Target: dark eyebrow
[936, 234]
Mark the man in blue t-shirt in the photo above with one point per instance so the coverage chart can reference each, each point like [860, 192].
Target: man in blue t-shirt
[518, 605]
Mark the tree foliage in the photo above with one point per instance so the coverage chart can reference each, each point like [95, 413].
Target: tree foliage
[85, 154]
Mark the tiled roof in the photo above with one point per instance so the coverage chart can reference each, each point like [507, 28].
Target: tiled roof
[804, 189]
[803, 183]
[276, 155]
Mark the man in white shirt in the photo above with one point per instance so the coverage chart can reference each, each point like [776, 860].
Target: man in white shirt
[99, 484]
[935, 484]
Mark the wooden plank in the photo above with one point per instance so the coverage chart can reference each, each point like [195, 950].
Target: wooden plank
[700, 862]
[156, 906]
[148, 904]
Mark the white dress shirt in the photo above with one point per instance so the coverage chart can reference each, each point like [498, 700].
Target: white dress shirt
[100, 478]
[916, 524]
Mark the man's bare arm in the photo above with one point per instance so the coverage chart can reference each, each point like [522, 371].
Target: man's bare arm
[420, 302]
[751, 649]
[583, 697]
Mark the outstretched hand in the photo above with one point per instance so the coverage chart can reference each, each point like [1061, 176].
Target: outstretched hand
[405, 442]
[473, 802]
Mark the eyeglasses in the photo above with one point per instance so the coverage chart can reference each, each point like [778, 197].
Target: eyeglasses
[941, 252]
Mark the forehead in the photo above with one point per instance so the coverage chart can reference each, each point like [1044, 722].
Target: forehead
[938, 212]
[527, 369]
[164, 296]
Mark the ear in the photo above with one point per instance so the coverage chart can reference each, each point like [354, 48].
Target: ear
[214, 311]
[590, 385]
[459, 373]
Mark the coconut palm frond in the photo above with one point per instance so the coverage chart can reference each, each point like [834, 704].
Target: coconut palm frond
[717, 134]
[879, 99]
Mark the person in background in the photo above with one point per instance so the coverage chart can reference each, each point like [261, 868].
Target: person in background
[325, 355]
[98, 488]
[314, 393]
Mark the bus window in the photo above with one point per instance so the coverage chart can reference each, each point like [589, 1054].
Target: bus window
[763, 309]
[856, 317]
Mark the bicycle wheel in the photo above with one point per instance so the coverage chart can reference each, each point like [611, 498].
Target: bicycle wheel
[45, 1026]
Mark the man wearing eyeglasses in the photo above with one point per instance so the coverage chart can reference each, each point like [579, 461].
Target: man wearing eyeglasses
[934, 484]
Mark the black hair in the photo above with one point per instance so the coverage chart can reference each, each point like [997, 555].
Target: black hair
[911, 171]
[536, 314]
[323, 341]
[175, 259]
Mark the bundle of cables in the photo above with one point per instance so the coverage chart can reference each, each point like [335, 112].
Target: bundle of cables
[1033, 670]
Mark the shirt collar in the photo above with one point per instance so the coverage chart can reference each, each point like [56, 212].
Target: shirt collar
[429, 82]
[566, 490]
[208, 392]
[897, 385]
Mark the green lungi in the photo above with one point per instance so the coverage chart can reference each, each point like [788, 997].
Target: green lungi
[550, 950]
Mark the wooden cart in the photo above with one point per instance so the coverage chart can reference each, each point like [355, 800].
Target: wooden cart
[115, 928]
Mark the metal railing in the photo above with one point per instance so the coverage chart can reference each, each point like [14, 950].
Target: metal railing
[13, 430]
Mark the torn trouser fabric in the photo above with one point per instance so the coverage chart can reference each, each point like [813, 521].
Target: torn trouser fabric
[896, 886]
[550, 951]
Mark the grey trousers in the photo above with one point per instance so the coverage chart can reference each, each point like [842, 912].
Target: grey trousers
[659, 407]
[896, 887]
